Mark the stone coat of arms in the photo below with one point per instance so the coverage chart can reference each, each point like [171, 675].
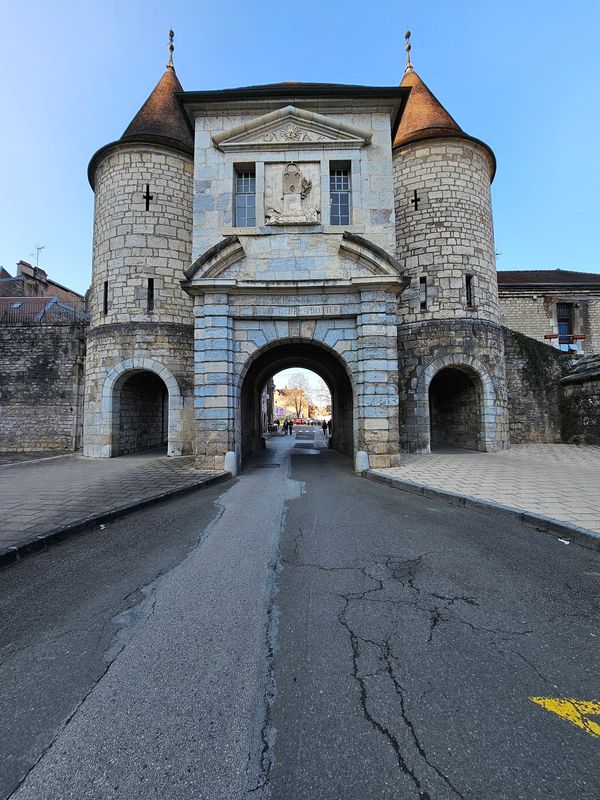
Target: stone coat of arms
[296, 204]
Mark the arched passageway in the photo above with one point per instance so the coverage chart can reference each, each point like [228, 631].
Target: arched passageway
[140, 412]
[455, 409]
[306, 355]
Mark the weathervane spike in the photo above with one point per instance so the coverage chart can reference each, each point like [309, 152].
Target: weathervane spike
[171, 47]
[408, 47]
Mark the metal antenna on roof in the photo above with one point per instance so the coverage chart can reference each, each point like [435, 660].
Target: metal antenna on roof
[408, 47]
[171, 47]
[38, 249]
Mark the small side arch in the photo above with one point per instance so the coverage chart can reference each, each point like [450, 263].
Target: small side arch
[485, 391]
[111, 397]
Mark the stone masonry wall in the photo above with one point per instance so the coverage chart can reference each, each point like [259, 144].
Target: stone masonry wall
[531, 313]
[580, 402]
[450, 234]
[132, 244]
[454, 408]
[424, 350]
[142, 413]
[41, 381]
[533, 373]
[165, 349]
[580, 412]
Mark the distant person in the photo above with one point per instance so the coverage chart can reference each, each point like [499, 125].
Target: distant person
[286, 426]
[324, 426]
[329, 427]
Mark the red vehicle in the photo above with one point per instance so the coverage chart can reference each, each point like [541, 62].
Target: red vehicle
[299, 421]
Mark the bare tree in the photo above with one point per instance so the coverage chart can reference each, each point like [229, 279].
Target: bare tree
[299, 391]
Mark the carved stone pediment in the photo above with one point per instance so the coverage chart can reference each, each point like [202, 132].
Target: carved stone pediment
[291, 128]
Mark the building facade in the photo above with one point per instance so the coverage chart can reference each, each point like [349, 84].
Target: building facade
[345, 229]
[556, 306]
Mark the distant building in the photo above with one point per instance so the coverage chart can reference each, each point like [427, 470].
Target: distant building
[34, 282]
[556, 306]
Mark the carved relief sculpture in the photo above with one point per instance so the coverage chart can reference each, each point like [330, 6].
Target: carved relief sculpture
[296, 203]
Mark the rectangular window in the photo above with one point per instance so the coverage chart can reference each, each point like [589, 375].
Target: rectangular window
[469, 290]
[105, 299]
[564, 316]
[150, 296]
[423, 293]
[339, 195]
[245, 198]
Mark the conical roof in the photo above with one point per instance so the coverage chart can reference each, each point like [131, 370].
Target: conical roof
[161, 119]
[424, 116]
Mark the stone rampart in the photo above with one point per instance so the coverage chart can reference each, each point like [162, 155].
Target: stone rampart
[41, 387]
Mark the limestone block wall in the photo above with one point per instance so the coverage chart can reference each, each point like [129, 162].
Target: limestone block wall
[533, 374]
[143, 417]
[119, 350]
[534, 314]
[450, 234]
[523, 313]
[372, 201]
[477, 348]
[454, 407]
[232, 331]
[41, 387]
[132, 244]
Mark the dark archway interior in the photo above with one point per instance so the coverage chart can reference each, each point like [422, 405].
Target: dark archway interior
[143, 411]
[309, 356]
[455, 409]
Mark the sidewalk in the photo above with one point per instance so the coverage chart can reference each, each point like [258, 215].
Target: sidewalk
[557, 481]
[55, 497]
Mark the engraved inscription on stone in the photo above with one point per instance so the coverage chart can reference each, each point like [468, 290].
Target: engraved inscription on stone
[289, 195]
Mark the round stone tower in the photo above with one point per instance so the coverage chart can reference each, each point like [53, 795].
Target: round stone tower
[451, 363]
[139, 364]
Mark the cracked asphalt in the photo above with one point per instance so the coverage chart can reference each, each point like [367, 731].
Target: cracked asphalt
[299, 633]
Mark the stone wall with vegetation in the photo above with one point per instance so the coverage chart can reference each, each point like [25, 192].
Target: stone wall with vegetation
[41, 387]
[580, 402]
[533, 374]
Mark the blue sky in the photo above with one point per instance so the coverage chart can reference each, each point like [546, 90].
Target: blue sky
[523, 76]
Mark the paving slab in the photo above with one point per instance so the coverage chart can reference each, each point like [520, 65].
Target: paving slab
[46, 500]
[556, 485]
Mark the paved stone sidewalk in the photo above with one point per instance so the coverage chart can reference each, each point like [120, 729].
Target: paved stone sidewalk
[555, 480]
[44, 495]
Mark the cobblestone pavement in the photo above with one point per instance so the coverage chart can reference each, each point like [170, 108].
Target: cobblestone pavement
[556, 480]
[42, 495]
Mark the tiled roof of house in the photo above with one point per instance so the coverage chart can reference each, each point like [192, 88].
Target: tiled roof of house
[546, 278]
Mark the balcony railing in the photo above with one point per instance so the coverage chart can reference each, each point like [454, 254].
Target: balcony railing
[571, 343]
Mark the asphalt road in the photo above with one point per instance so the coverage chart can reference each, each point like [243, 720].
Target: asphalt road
[299, 633]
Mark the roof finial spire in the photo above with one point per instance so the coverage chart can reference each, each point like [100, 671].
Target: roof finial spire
[408, 47]
[171, 47]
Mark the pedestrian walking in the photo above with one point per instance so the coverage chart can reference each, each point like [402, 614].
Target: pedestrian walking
[329, 427]
[324, 426]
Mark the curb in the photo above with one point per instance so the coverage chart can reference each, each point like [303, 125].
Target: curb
[42, 541]
[554, 527]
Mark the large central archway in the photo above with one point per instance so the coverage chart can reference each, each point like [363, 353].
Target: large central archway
[277, 357]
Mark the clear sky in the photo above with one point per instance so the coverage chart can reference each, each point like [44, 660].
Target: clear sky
[521, 75]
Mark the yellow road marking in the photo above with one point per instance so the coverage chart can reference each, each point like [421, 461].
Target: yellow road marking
[575, 711]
